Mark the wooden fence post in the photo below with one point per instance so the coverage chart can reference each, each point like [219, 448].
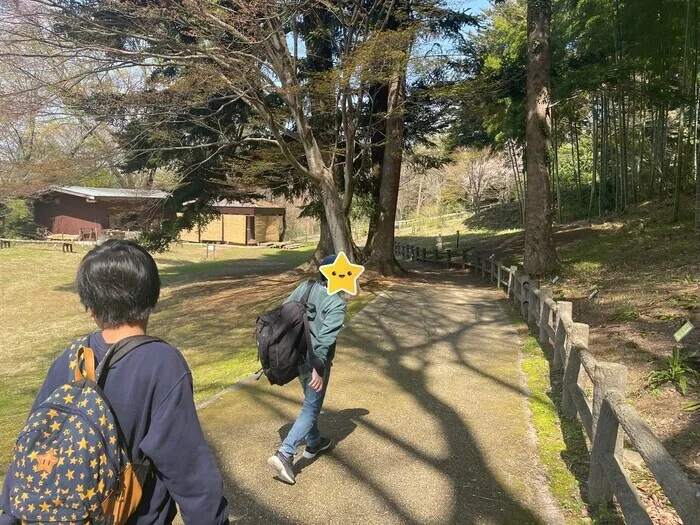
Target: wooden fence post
[425, 255]
[499, 274]
[607, 439]
[511, 281]
[435, 255]
[449, 258]
[464, 259]
[493, 269]
[517, 287]
[572, 365]
[545, 316]
[564, 310]
[483, 266]
[524, 295]
[533, 313]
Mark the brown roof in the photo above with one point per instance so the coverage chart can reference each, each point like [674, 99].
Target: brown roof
[111, 193]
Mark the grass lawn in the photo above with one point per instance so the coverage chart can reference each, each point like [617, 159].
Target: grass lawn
[207, 309]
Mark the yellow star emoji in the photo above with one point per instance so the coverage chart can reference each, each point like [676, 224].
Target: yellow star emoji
[342, 275]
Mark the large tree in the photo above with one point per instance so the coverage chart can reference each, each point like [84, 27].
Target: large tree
[540, 254]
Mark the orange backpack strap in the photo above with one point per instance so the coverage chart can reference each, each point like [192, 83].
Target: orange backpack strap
[85, 364]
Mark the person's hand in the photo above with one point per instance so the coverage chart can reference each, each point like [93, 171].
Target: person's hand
[316, 381]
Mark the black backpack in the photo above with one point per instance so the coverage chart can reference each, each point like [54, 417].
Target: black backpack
[283, 339]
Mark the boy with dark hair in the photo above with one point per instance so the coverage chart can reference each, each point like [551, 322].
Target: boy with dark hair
[326, 314]
[149, 391]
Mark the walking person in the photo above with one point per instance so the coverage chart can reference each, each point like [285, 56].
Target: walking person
[116, 404]
[326, 314]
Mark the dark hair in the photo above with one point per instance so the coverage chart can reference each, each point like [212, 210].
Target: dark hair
[119, 281]
[328, 259]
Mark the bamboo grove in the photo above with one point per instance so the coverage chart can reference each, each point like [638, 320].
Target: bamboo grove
[624, 105]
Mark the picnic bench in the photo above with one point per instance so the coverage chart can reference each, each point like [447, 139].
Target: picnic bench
[66, 245]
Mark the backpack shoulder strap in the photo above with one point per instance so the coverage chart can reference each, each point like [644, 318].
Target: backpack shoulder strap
[73, 354]
[309, 287]
[119, 351]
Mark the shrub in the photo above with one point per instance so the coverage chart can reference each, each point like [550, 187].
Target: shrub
[15, 218]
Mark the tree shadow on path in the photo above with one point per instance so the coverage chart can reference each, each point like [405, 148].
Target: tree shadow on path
[401, 340]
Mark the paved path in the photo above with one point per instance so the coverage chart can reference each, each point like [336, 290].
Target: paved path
[426, 404]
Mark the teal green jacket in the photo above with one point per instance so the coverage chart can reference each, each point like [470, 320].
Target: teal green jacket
[326, 315]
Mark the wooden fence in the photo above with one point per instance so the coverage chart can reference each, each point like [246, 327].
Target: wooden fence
[607, 416]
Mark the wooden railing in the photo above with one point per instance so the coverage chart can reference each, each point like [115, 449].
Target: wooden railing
[606, 416]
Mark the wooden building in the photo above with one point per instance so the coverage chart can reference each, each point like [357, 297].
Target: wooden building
[87, 212]
[253, 222]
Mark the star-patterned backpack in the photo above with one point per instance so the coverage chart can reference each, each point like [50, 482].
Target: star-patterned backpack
[71, 462]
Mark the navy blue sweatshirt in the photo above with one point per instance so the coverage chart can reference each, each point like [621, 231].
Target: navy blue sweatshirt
[150, 392]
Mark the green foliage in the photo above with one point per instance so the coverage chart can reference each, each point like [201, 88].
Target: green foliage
[15, 217]
[678, 372]
[692, 407]
[623, 75]
[624, 313]
[491, 101]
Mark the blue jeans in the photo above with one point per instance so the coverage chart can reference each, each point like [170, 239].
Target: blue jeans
[305, 428]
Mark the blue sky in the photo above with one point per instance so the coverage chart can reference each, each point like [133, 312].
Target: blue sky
[474, 5]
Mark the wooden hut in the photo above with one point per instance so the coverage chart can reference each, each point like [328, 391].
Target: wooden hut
[79, 211]
[252, 222]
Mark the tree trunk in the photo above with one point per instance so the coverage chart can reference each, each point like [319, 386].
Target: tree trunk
[578, 170]
[616, 153]
[379, 95]
[324, 247]
[516, 174]
[679, 167]
[555, 147]
[663, 147]
[337, 221]
[382, 257]
[696, 92]
[604, 155]
[420, 194]
[624, 165]
[540, 254]
[594, 137]
[695, 162]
